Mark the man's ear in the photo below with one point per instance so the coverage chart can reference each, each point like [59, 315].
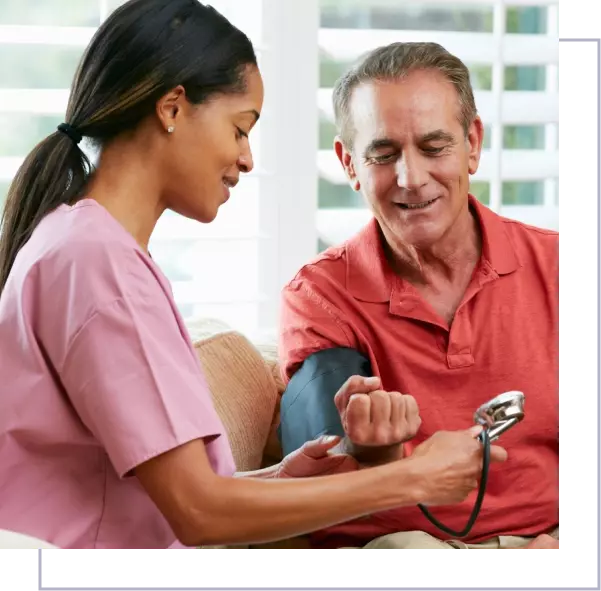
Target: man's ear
[475, 137]
[346, 159]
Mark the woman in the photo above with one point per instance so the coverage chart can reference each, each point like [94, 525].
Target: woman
[108, 438]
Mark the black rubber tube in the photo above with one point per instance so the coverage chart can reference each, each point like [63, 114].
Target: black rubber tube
[485, 440]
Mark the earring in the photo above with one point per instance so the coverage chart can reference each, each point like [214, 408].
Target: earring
[171, 129]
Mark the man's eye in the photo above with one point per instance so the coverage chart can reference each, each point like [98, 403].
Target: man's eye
[383, 158]
[433, 151]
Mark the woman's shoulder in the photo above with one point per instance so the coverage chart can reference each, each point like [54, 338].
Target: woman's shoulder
[81, 269]
[86, 228]
[83, 254]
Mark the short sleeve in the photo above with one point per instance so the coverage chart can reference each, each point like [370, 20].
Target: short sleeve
[308, 324]
[136, 384]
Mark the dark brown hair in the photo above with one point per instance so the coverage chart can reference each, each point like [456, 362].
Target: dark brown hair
[144, 49]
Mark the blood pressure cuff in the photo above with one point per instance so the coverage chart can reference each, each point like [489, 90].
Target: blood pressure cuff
[307, 408]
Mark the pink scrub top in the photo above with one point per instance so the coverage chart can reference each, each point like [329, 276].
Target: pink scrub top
[97, 375]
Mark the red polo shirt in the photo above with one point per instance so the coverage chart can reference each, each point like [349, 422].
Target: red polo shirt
[504, 336]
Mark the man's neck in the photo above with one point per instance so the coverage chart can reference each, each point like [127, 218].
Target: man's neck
[448, 261]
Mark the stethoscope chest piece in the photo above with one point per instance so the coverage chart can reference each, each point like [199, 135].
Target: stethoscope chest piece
[501, 413]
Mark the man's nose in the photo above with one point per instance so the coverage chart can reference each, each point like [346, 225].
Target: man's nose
[411, 172]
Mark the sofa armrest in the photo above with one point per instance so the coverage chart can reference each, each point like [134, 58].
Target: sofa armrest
[244, 394]
[246, 387]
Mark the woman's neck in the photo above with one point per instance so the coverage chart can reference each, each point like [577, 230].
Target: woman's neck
[124, 184]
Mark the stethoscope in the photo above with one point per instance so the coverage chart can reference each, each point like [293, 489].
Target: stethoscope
[496, 416]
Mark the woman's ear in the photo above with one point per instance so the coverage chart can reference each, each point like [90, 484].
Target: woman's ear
[169, 107]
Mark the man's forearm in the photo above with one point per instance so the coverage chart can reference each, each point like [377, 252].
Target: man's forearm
[371, 456]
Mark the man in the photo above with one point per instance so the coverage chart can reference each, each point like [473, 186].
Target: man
[438, 297]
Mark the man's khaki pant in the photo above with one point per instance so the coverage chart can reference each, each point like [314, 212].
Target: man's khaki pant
[419, 540]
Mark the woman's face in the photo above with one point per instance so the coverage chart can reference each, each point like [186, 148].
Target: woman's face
[209, 148]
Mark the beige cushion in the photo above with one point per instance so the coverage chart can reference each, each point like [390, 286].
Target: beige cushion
[244, 393]
[273, 449]
[246, 387]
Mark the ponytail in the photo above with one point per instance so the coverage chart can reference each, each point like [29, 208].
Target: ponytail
[55, 172]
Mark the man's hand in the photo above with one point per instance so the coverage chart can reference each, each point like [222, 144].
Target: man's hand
[375, 418]
[314, 459]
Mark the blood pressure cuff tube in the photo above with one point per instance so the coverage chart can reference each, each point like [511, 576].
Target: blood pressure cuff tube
[307, 408]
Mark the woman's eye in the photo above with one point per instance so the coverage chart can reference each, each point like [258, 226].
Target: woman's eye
[240, 133]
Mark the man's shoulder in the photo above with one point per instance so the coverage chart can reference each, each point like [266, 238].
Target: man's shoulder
[532, 240]
[327, 267]
[530, 232]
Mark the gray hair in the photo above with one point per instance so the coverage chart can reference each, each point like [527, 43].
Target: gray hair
[394, 61]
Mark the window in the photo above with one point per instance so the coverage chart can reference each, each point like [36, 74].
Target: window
[234, 268]
[511, 50]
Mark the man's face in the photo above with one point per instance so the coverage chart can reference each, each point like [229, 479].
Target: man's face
[410, 156]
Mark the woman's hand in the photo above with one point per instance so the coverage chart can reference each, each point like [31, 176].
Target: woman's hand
[314, 459]
[449, 465]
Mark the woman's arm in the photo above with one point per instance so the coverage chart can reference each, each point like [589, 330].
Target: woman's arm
[206, 509]
[262, 474]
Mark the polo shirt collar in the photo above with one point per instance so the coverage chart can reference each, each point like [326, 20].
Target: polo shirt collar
[497, 248]
[369, 277]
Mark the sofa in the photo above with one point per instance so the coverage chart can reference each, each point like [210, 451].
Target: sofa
[246, 387]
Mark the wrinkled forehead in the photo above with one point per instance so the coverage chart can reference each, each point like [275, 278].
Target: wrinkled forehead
[409, 107]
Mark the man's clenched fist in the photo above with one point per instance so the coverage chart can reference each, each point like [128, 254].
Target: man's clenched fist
[375, 418]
